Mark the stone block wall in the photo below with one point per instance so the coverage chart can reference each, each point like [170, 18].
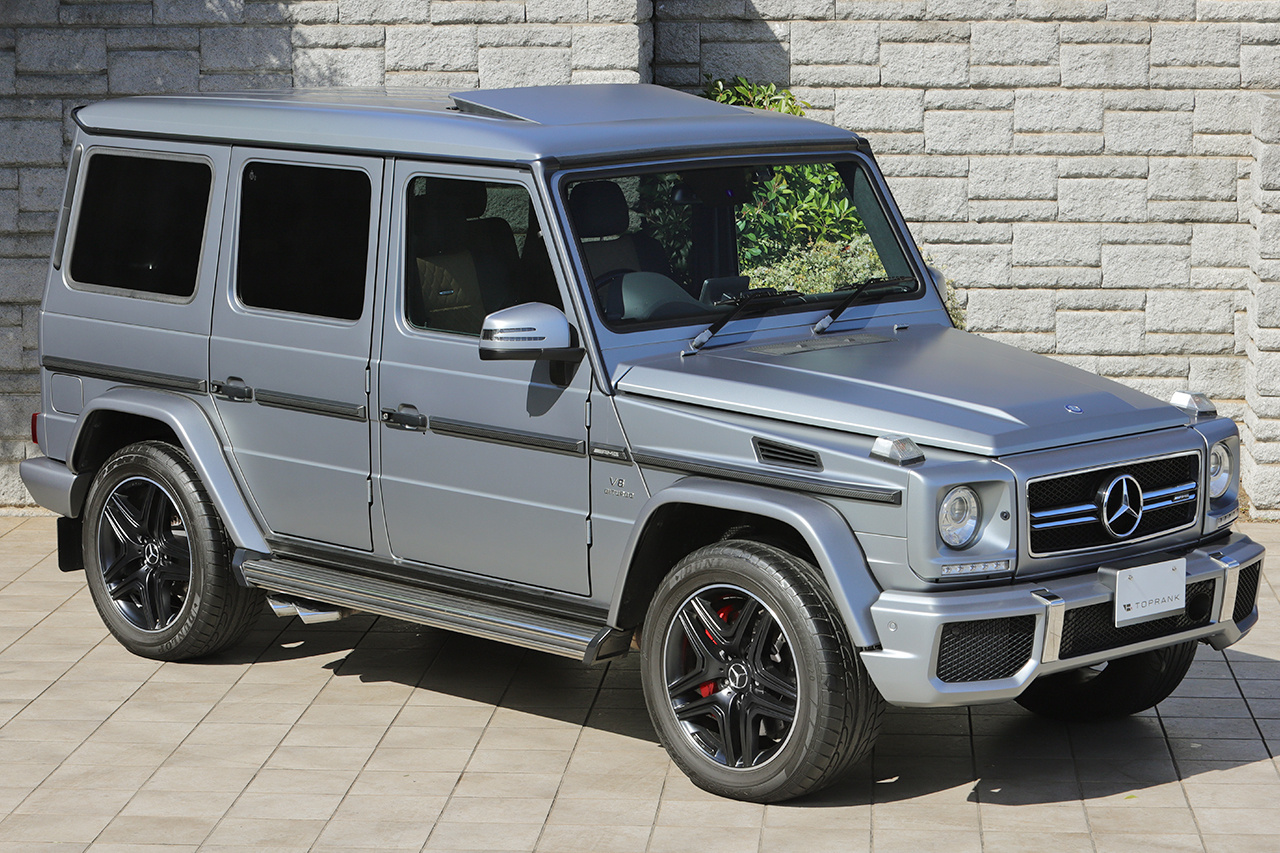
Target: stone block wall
[57, 54]
[1085, 170]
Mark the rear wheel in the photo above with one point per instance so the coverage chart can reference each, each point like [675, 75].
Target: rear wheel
[1117, 688]
[750, 679]
[156, 557]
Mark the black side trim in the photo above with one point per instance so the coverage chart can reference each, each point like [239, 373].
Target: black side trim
[168, 381]
[852, 491]
[310, 405]
[513, 437]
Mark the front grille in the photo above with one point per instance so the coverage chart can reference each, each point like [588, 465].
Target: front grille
[1246, 592]
[985, 649]
[1064, 511]
[1093, 629]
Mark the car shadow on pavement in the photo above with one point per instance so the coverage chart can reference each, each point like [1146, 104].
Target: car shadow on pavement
[1222, 724]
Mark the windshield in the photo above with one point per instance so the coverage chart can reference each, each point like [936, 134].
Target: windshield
[672, 248]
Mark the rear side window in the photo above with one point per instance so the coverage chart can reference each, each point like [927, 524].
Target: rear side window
[141, 224]
[304, 239]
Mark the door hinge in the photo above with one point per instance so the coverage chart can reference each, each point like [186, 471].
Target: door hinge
[588, 414]
[588, 532]
[369, 483]
[368, 381]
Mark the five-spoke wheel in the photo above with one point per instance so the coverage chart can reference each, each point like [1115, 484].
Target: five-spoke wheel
[731, 676]
[156, 557]
[751, 682]
[144, 554]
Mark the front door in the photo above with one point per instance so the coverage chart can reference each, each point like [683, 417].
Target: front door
[291, 338]
[483, 463]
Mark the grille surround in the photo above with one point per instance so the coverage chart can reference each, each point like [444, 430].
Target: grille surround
[985, 649]
[1055, 493]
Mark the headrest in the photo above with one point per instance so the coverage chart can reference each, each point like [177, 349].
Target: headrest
[438, 209]
[599, 209]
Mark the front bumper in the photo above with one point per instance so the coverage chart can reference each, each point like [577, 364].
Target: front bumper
[974, 646]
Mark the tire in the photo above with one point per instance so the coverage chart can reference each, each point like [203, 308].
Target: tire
[750, 679]
[1117, 689]
[156, 558]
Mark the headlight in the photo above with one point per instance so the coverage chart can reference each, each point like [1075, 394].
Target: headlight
[958, 517]
[1220, 466]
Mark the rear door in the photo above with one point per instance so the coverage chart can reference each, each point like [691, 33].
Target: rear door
[289, 354]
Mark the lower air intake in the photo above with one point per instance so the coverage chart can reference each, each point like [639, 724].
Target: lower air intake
[985, 649]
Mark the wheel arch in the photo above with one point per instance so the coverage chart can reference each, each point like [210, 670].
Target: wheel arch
[698, 511]
[123, 416]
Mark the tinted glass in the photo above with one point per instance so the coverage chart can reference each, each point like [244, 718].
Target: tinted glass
[675, 247]
[304, 239]
[141, 224]
[473, 247]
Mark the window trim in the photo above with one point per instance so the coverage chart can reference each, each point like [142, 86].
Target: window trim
[72, 238]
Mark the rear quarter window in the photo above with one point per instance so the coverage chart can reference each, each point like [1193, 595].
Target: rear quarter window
[141, 225]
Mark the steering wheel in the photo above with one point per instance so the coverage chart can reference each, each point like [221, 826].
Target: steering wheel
[604, 280]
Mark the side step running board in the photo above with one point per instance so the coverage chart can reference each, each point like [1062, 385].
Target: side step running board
[303, 585]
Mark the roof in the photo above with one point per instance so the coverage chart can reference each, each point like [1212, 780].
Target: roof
[566, 123]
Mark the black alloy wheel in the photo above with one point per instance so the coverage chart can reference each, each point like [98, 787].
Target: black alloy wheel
[731, 676]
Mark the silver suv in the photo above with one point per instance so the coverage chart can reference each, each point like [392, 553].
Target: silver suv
[599, 368]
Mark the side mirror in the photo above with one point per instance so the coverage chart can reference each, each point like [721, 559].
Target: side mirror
[528, 332]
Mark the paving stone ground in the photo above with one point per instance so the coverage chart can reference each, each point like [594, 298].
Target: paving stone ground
[379, 735]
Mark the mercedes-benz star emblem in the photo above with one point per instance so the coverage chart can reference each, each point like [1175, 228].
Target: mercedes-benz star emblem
[739, 676]
[1120, 504]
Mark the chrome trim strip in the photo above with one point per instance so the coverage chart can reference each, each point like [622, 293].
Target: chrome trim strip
[91, 370]
[1065, 510]
[1055, 611]
[851, 491]
[310, 405]
[1156, 494]
[1066, 522]
[1230, 586]
[511, 437]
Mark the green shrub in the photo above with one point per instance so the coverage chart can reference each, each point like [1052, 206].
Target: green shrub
[821, 267]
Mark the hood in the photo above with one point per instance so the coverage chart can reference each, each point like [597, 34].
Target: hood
[943, 387]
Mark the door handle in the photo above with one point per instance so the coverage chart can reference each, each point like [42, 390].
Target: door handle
[405, 417]
[233, 389]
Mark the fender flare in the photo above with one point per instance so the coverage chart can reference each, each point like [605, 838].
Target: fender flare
[193, 429]
[828, 535]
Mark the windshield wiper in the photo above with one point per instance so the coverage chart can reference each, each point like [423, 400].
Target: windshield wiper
[855, 290]
[762, 298]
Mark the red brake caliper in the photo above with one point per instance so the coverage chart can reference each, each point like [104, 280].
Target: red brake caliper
[708, 687]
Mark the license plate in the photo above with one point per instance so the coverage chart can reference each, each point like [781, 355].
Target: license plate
[1150, 592]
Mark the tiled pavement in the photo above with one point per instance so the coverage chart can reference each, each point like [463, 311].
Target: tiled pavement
[386, 736]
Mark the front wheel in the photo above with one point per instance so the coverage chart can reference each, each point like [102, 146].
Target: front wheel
[1117, 688]
[750, 679]
[156, 557]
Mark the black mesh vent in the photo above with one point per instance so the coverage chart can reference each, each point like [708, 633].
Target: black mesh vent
[1074, 489]
[1246, 592]
[1093, 629]
[776, 453]
[985, 649]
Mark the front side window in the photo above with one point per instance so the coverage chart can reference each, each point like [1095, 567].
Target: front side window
[676, 247]
[472, 248]
[141, 224]
[304, 239]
